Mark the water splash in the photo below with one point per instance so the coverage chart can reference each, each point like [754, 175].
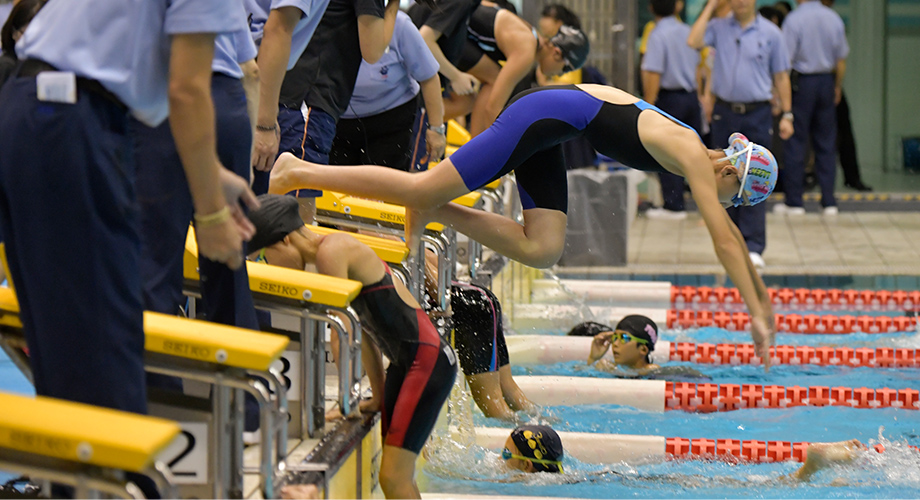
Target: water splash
[584, 310]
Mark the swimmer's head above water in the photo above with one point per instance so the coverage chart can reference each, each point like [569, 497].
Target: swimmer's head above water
[534, 448]
[634, 340]
[746, 172]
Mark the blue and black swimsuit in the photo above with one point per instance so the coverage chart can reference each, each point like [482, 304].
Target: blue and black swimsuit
[527, 137]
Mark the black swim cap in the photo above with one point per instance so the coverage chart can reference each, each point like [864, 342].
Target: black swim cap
[588, 329]
[276, 217]
[641, 327]
[539, 442]
[574, 46]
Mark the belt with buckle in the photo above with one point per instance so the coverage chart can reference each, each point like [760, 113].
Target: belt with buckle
[743, 108]
[32, 67]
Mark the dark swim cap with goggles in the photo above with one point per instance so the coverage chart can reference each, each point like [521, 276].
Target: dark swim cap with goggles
[639, 328]
[540, 445]
[588, 329]
[574, 46]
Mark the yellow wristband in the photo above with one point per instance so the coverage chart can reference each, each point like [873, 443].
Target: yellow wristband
[213, 219]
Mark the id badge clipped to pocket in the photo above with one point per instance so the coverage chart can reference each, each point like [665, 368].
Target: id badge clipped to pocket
[57, 86]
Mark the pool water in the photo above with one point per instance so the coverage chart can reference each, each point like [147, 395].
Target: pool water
[893, 474]
[11, 380]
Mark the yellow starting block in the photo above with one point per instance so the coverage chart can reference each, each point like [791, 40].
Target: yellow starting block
[378, 213]
[390, 251]
[359, 213]
[281, 282]
[456, 134]
[84, 446]
[222, 356]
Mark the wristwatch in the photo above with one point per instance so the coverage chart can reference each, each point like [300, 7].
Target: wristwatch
[788, 116]
[440, 129]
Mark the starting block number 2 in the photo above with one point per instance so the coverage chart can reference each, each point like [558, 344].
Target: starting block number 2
[187, 456]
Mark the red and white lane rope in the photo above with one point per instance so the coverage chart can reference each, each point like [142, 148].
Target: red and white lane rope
[708, 398]
[743, 354]
[794, 323]
[808, 298]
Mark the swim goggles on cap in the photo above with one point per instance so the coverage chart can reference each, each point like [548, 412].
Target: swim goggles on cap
[748, 150]
[626, 338]
[261, 257]
[507, 455]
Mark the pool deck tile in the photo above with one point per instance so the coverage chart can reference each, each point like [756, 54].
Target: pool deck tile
[852, 243]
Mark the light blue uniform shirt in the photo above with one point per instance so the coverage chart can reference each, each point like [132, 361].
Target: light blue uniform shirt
[815, 37]
[393, 80]
[5, 10]
[124, 44]
[668, 54]
[312, 14]
[745, 59]
[232, 49]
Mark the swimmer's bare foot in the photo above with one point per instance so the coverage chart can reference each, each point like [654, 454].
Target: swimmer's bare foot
[280, 179]
[823, 455]
[300, 491]
[334, 414]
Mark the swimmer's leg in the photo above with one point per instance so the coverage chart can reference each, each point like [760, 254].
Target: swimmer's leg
[397, 473]
[486, 389]
[513, 394]
[823, 455]
[538, 243]
[422, 190]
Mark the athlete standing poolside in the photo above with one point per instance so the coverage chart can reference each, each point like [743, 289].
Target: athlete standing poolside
[527, 138]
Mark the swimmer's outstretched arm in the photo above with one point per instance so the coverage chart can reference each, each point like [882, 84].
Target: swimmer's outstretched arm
[733, 254]
[820, 456]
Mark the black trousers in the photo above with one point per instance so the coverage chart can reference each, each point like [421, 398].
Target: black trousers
[846, 144]
[386, 139]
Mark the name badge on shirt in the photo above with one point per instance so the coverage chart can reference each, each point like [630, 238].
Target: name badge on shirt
[57, 86]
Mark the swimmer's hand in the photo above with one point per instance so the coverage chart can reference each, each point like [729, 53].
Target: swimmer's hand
[762, 333]
[372, 405]
[464, 84]
[416, 220]
[599, 346]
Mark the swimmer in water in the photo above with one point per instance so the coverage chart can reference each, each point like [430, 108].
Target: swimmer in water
[631, 344]
[538, 448]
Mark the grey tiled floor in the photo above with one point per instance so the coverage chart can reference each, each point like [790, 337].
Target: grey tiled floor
[850, 243]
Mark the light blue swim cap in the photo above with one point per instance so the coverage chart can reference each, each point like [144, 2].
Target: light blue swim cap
[757, 169]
